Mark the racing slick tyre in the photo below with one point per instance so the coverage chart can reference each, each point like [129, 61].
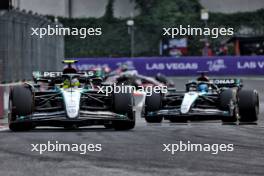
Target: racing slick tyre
[153, 103]
[228, 102]
[123, 104]
[248, 102]
[20, 104]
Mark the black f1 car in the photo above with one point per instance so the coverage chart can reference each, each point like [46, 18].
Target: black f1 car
[223, 99]
[68, 99]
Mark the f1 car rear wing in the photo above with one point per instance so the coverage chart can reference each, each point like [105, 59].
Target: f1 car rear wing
[221, 83]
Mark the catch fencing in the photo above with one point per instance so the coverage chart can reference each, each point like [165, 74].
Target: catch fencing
[20, 52]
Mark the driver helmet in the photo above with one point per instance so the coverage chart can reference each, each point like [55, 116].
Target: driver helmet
[203, 78]
[203, 88]
[74, 83]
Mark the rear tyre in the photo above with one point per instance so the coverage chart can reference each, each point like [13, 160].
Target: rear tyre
[248, 105]
[153, 103]
[123, 104]
[228, 102]
[20, 104]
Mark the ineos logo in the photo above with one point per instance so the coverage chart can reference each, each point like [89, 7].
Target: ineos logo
[224, 81]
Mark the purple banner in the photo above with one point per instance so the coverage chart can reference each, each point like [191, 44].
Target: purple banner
[183, 66]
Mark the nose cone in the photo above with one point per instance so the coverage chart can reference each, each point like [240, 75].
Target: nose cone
[72, 103]
[188, 100]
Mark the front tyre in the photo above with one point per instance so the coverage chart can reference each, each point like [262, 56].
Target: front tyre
[20, 104]
[248, 105]
[123, 104]
[124, 125]
[153, 103]
[228, 102]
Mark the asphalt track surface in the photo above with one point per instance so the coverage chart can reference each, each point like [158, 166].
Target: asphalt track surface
[139, 152]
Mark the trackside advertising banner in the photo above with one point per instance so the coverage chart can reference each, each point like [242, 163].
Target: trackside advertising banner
[183, 66]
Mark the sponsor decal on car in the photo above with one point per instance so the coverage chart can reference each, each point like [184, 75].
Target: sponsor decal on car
[224, 81]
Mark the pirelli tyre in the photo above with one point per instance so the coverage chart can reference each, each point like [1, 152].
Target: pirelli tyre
[20, 104]
[123, 104]
[153, 103]
[248, 105]
[228, 102]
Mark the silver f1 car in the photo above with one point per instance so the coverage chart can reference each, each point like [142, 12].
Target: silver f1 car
[205, 99]
[68, 99]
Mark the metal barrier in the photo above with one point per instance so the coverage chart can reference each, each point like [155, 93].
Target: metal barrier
[20, 52]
